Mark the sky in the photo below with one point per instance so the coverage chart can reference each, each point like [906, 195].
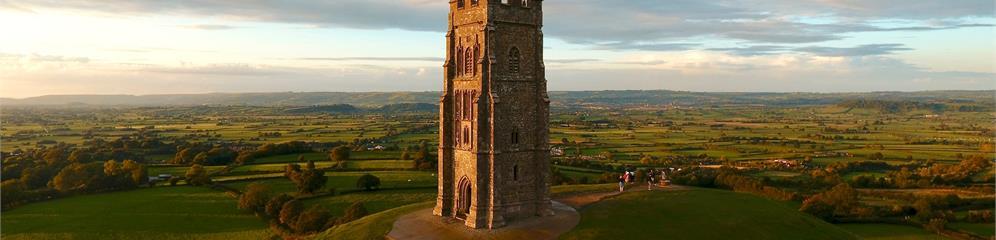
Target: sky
[55, 47]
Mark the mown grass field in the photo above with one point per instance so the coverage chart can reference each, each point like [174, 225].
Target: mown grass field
[698, 214]
[152, 213]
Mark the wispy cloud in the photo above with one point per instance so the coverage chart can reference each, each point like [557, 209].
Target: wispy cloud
[209, 27]
[415, 59]
[863, 50]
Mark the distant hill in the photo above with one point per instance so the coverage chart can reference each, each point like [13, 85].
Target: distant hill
[558, 98]
[346, 108]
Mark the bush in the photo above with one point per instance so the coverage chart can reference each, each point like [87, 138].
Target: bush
[255, 198]
[368, 182]
[841, 200]
[980, 216]
[197, 176]
[355, 211]
[290, 211]
[312, 220]
[274, 205]
[339, 154]
[936, 225]
[308, 180]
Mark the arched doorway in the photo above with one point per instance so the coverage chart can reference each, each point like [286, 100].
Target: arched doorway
[464, 199]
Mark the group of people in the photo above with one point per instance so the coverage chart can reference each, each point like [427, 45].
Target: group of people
[654, 177]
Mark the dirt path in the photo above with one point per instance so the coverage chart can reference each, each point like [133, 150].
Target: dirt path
[579, 201]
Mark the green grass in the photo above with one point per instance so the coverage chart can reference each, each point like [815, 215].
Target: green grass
[347, 180]
[981, 229]
[889, 232]
[374, 226]
[153, 213]
[374, 201]
[698, 214]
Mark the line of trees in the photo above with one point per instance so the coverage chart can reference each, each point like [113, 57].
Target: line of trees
[46, 173]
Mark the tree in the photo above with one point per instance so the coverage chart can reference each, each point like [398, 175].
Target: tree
[423, 160]
[138, 173]
[197, 176]
[312, 220]
[11, 192]
[307, 180]
[355, 211]
[79, 177]
[255, 198]
[838, 201]
[274, 205]
[290, 211]
[368, 182]
[340, 154]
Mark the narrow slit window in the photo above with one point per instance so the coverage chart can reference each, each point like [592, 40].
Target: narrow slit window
[515, 172]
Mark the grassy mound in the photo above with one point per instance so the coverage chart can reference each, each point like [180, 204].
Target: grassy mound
[375, 226]
[152, 213]
[698, 214]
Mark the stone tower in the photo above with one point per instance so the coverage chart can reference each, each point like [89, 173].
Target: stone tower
[494, 154]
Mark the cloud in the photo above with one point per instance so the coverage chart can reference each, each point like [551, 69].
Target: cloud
[209, 27]
[612, 25]
[646, 46]
[415, 59]
[572, 60]
[757, 50]
[863, 50]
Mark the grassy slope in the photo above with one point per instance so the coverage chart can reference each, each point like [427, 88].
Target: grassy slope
[154, 213]
[889, 232]
[699, 214]
[375, 226]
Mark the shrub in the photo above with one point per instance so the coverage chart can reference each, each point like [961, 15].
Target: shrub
[368, 182]
[274, 205]
[936, 225]
[312, 220]
[308, 180]
[197, 176]
[339, 154]
[355, 211]
[255, 198]
[290, 211]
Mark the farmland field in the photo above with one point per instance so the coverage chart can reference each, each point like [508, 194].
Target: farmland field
[896, 162]
[153, 213]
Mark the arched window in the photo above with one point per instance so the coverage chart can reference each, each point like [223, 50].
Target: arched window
[459, 3]
[514, 58]
[473, 2]
[525, 3]
[469, 62]
[459, 61]
[477, 53]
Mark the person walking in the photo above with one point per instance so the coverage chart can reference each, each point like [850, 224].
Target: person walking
[622, 183]
[650, 179]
